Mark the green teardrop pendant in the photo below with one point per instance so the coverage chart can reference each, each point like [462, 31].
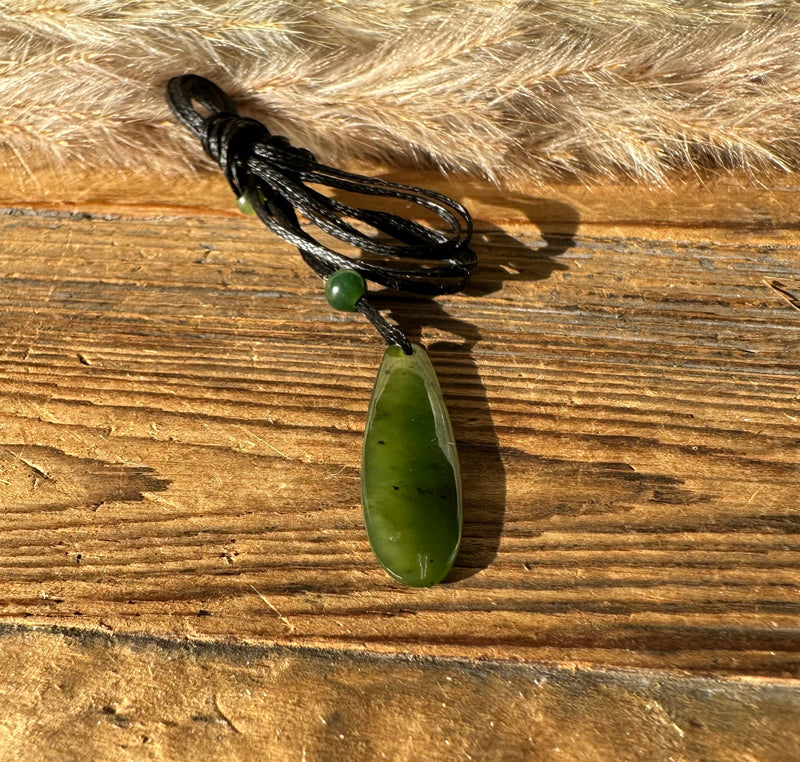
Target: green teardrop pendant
[410, 479]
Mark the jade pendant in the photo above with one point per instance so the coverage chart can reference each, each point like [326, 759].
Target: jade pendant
[410, 479]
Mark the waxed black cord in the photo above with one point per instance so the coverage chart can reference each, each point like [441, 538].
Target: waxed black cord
[273, 175]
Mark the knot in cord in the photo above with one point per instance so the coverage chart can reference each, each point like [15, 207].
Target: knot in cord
[273, 175]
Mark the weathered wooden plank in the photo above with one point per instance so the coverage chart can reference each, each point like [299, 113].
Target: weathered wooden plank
[181, 417]
[92, 696]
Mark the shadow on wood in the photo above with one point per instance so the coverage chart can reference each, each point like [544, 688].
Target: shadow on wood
[502, 257]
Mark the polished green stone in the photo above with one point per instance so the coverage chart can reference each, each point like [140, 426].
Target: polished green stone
[410, 479]
[245, 205]
[344, 288]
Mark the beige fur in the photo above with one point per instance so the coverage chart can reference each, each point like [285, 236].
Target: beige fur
[508, 89]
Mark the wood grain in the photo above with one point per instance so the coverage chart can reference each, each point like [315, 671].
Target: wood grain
[181, 417]
[98, 697]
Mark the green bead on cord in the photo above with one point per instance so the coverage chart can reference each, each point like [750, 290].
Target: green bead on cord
[245, 204]
[344, 288]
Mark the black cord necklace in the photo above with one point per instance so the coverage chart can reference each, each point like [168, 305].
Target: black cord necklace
[410, 480]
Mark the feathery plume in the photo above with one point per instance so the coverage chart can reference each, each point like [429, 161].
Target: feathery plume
[512, 90]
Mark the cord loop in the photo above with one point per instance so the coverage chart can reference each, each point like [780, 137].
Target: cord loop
[275, 176]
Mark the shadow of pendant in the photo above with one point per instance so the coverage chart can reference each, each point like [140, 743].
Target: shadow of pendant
[410, 478]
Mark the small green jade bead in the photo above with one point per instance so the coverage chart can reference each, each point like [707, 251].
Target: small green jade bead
[244, 203]
[245, 207]
[344, 288]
